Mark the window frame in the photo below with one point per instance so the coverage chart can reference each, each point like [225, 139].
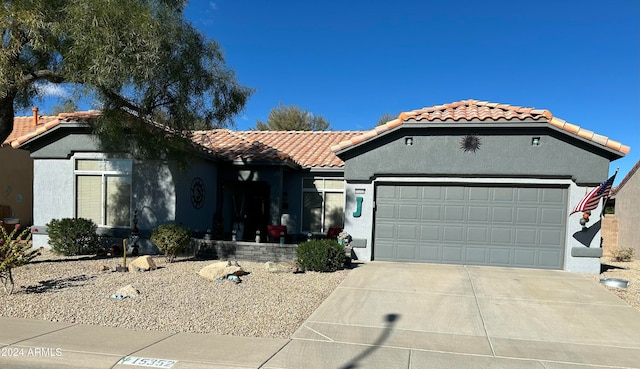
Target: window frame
[122, 168]
[322, 191]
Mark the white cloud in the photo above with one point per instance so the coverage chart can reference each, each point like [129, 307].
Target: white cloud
[212, 5]
[49, 89]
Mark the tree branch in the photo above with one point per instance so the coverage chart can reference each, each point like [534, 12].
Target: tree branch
[45, 74]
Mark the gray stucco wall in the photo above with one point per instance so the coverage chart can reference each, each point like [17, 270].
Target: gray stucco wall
[627, 209]
[437, 152]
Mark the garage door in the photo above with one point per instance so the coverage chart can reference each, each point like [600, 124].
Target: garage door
[501, 226]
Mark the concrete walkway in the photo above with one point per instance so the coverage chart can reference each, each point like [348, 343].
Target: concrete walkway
[384, 315]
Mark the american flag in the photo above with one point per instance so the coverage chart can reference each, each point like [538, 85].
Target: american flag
[592, 199]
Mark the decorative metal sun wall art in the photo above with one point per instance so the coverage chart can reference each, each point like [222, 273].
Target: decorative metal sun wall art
[470, 143]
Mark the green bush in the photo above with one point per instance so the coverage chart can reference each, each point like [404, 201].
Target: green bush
[321, 255]
[171, 239]
[73, 236]
[622, 254]
[15, 251]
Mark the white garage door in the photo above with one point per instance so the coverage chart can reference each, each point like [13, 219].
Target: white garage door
[501, 226]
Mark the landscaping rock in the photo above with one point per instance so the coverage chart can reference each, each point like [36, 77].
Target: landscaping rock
[126, 291]
[221, 270]
[143, 264]
[282, 267]
[104, 268]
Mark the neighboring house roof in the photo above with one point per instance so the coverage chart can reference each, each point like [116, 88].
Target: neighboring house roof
[309, 149]
[474, 111]
[626, 179]
[26, 128]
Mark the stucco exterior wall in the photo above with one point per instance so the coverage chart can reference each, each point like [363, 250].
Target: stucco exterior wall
[437, 152]
[627, 210]
[16, 184]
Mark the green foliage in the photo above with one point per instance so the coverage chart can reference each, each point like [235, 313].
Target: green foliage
[171, 239]
[321, 255]
[73, 236]
[292, 118]
[622, 254]
[141, 56]
[15, 251]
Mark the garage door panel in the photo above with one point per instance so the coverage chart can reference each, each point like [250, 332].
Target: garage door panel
[527, 215]
[480, 225]
[430, 233]
[409, 192]
[452, 233]
[478, 214]
[501, 235]
[501, 215]
[549, 259]
[386, 212]
[550, 237]
[408, 232]
[526, 236]
[477, 235]
[408, 212]
[551, 216]
[430, 212]
[452, 254]
[430, 253]
[454, 212]
[476, 255]
[479, 194]
[524, 257]
[500, 256]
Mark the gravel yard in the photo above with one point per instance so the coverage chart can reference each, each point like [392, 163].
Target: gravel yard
[624, 270]
[172, 298]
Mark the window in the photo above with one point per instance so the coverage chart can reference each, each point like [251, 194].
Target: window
[322, 204]
[103, 191]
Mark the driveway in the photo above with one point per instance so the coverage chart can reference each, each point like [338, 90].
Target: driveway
[400, 315]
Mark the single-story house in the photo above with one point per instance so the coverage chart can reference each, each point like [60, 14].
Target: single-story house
[626, 197]
[470, 182]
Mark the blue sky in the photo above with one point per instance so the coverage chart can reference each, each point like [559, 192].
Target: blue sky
[352, 61]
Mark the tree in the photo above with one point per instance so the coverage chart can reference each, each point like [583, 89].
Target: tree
[292, 118]
[139, 60]
[385, 118]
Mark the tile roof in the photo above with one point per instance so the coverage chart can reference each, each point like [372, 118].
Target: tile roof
[626, 179]
[24, 128]
[309, 149]
[482, 111]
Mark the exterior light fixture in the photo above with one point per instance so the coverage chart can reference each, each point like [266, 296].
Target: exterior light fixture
[535, 141]
[408, 141]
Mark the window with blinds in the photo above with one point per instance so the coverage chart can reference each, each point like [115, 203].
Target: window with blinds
[323, 204]
[103, 191]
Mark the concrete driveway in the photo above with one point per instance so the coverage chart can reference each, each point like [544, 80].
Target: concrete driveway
[399, 315]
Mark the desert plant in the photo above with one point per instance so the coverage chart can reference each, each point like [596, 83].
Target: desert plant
[15, 251]
[622, 254]
[321, 255]
[170, 239]
[73, 236]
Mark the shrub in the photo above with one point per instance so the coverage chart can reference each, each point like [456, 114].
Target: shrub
[622, 254]
[321, 255]
[73, 236]
[171, 239]
[15, 251]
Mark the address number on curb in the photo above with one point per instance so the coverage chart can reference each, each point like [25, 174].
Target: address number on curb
[146, 361]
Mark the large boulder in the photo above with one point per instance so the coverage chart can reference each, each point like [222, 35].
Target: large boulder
[143, 264]
[221, 270]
